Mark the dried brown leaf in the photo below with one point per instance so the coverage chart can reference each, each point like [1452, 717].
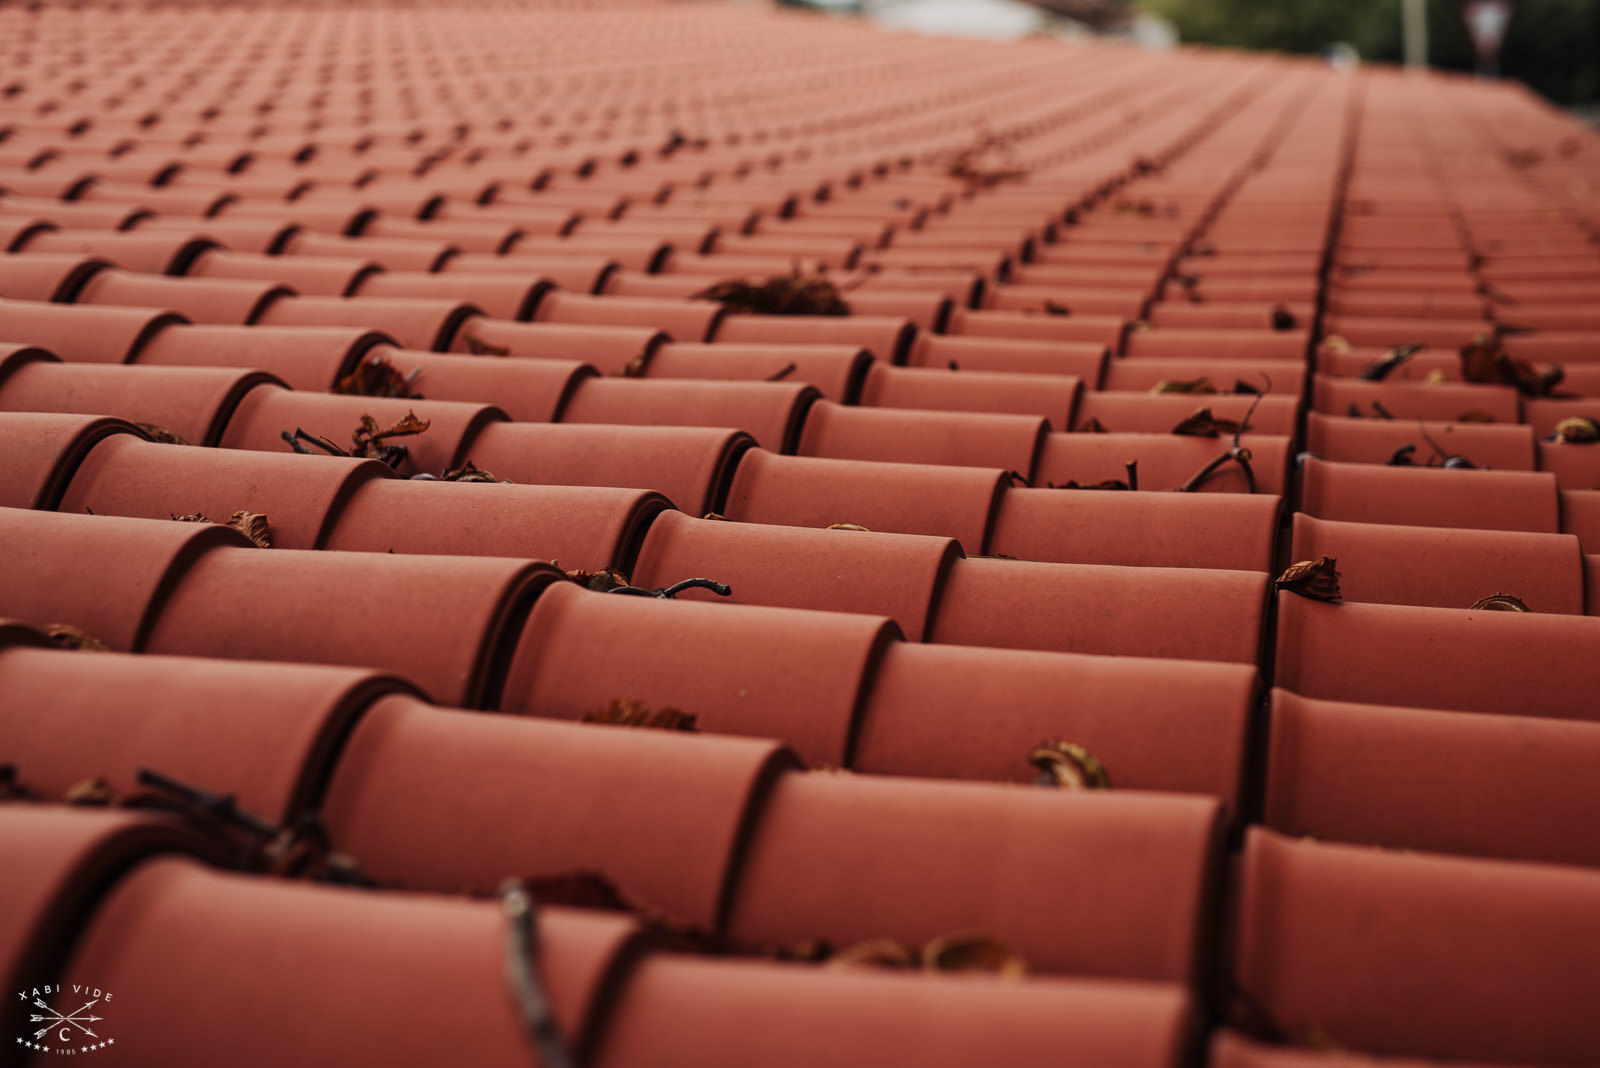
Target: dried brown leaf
[1068, 766]
[191, 517]
[369, 437]
[1200, 423]
[1317, 579]
[849, 526]
[252, 525]
[876, 953]
[792, 294]
[377, 377]
[1500, 602]
[88, 792]
[634, 368]
[1074, 484]
[972, 952]
[1052, 308]
[1379, 369]
[809, 951]
[161, 434]
[602, 581]
[1335, 344]
[624, 713]
[1092, 426]
[471, 472]
[1486, 362]
[716, 517]
[820, 767]
[1578, 430]
[1185, 385]
[1283, 318]
[66, 636]
[1476, 415]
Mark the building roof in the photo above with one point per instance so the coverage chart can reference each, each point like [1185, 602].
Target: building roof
[702, 516]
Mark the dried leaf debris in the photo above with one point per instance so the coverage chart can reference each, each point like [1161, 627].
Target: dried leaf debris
[471, 472]
[1500, 602]
[796, 293]
[1201, 423]
[1067, 766]
[1486, 362]
[369, 440]
[1317, 579]
[67, 636]
[1577, 430]
[622, 712]
[377, 376]
[252, 525]
[963, 952]
[1185, 385]
[161, 434]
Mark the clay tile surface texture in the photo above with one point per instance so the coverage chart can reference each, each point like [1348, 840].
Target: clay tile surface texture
[744, 538]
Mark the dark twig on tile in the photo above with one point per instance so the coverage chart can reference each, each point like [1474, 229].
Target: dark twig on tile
[1379, 369]
[676, 588]
[782, 373]
[1448, 460]
[300, 438]
[522, 975]
[1235, 453]
[220, 807]
[302, 851]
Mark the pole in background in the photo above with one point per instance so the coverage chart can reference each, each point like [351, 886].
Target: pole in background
[1415, 13]
[1486, 24]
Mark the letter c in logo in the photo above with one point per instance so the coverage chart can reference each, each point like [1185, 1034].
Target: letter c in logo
[63, 1036]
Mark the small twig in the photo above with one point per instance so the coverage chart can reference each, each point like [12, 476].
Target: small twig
[222, 807]
[522, 975]
[676, 588]
[779, 375]
[1236, 452]
[320, 442]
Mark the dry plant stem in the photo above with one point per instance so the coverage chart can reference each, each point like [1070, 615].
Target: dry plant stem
[522, 975]
[676, 588]
[1235, 452]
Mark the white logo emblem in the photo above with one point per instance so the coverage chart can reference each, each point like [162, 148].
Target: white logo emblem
[75, 1031]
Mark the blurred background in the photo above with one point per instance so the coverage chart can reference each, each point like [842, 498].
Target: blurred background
[1552, 46]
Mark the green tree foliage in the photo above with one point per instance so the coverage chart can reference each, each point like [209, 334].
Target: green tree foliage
[1552, 45]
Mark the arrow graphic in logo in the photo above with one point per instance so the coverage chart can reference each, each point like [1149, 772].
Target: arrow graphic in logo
[55, 1019]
